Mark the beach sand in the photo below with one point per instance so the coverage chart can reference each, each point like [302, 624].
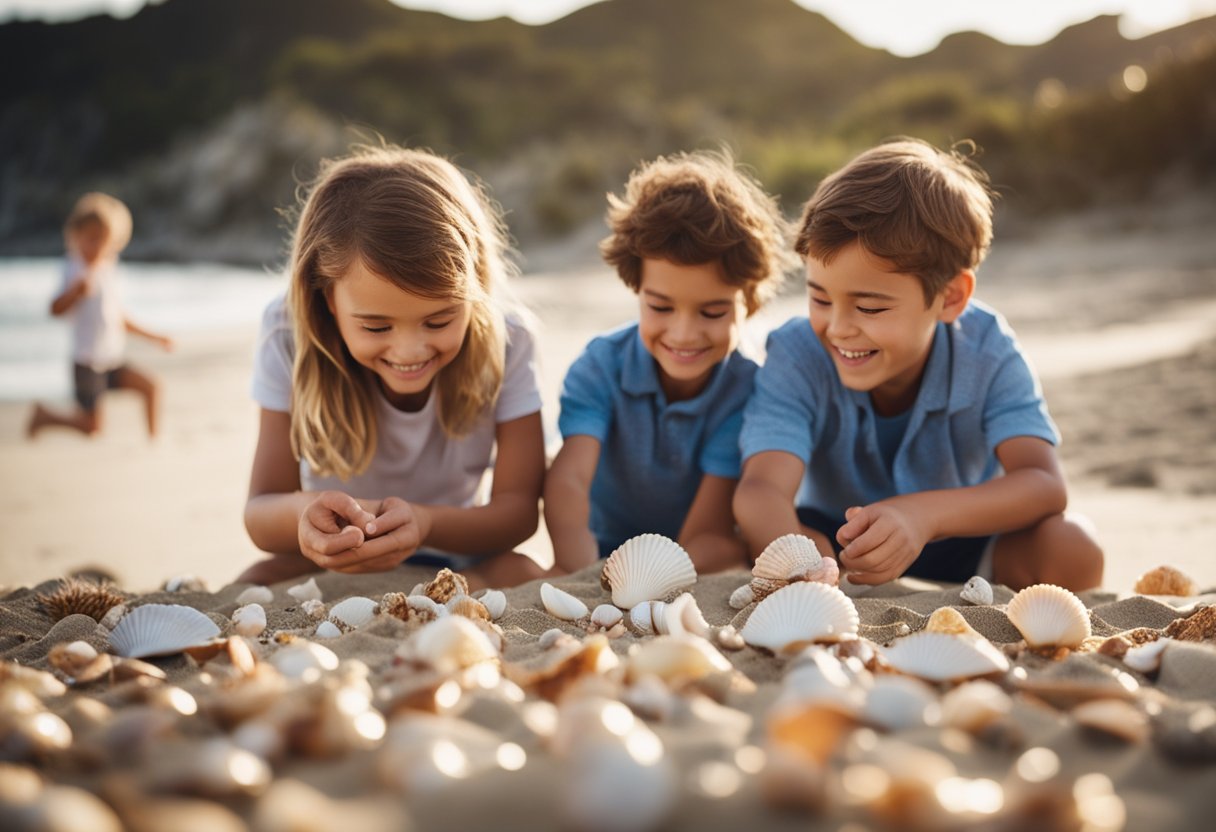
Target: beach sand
[1117, 316]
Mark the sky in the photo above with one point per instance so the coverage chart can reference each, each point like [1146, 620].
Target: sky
[905, 27]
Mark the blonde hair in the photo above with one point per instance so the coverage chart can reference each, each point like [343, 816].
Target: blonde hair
[97, 207]
[415, 220]
[927, 211]
[695, 208]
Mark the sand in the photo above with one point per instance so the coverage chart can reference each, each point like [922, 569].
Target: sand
[1118, 318]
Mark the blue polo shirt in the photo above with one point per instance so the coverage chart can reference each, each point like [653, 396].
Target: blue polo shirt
[653, 454]
[977, 391]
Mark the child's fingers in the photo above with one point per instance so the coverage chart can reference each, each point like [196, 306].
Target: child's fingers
[332, 510]
[856, 522]
[394, 514]
[330, 545]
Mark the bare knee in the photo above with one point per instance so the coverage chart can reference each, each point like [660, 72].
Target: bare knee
[1060, 549]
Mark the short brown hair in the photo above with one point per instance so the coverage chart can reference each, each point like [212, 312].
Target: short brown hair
[696, 208]
[927, 211]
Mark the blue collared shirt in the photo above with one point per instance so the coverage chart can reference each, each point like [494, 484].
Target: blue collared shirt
[978, 390]
[653, 454]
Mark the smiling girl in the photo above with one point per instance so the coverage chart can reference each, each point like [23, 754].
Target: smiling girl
[388, 377]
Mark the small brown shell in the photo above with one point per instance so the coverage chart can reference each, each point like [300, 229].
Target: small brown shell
[764, 587]
[447, 585]
[1165, 580]
[1198, 626]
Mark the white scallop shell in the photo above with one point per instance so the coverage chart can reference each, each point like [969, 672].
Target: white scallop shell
[640, 618]
[647, 567]
[741, 597]
[161, 630]
[606, 616]
[896, 703]
[1049, 616]
[680, 616]
[977, 591]
[561, 604]
[353, 612]
[306, 591]
[255, 595]
[941, 657]
[801, 613]
[495, 601]
[327, 629]
[249, 620]
[788, 558]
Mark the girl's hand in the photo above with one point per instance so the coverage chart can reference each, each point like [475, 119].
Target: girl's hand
[393, 535]
[880, 542]
[332, 527]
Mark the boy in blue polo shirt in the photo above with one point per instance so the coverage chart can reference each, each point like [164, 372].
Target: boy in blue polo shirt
[901, 426]
[651, 412]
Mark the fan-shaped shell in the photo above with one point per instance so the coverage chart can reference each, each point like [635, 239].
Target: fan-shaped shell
[941, 657]
[801, 613]
[1049, 616]
[647, 567]
[561, 604]
[788, 558]
[161, 630]
[353, 612]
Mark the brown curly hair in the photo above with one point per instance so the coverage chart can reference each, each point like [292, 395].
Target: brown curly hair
[696, 208]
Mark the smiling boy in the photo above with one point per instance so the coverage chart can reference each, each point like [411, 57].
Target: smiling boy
[651, 412]
[900, 426]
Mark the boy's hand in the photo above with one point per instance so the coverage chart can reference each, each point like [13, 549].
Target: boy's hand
[333, 525]
[880, 542]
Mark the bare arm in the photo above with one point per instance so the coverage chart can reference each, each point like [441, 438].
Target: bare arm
[708, 533]
[884, 538]
[764, 500]
[512, 514]
[272, 511]
[66, 300]
[162, 341]
[568, 503]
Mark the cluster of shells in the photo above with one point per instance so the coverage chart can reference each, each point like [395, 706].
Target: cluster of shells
[445, 705]
[792, 558]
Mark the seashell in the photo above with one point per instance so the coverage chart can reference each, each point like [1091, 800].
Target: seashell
[211, 768]
[495, 601]
[1116, 717]
[817, 677]
[680, 616]
[185, 583]
[949, 620]
[741, 597]
[304, 660]
[445, 586]
[558, 669]
[554, 637]
[974, 705]
[606, 616]
[306, 591]
[941, 657]
[1049, 616]
[327, 629]
[764, 587]
[896, 703]
[255, 595]
[728, 638]
[1146, 657]
[26, 804]
[799, 614]
[646, 568]
[641, 619]
[677, 659]
[561, 604]
[790, 557]
[1198, 626]
[353, 612]
[649, 698]
[468, 607]
[449, 644]
[41, 684]
[249, 620]
[977, 591]
[79, 662]
[601, 773]
[110, 620]
[314, 608]
[1165, 580]
[161, 630]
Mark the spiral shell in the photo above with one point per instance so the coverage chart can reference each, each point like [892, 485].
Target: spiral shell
[741, 597]
[645, 568]
[1049, 616]
[799, 614]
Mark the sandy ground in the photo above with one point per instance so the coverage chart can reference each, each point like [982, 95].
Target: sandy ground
[1118, 313]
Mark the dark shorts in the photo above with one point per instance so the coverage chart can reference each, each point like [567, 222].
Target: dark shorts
[441, 560]
[90, 384]
[953, 560]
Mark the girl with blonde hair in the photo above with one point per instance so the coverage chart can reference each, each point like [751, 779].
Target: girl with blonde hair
[388, 376]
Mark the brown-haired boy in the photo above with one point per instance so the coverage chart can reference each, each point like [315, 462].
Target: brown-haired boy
[96, 231]
[900, 425]
[650, 412]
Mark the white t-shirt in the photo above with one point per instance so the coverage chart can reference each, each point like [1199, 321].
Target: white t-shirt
[99, 329]
[414, 459]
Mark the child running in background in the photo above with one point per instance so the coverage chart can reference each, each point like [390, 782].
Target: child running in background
[387, 377]
[96, 232]
[901, 426]
[651, 412]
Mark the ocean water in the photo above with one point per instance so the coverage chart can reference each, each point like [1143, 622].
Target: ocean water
[176, 299]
